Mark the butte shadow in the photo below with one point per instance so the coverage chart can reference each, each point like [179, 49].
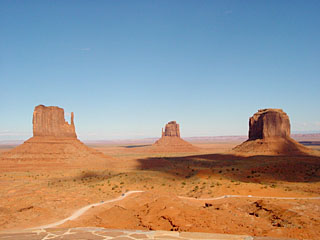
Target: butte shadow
[254, 169]
[269, 154]
[54, 144]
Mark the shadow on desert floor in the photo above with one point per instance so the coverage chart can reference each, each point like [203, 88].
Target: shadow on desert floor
[310, 143]
[255, 169]
[136, 146]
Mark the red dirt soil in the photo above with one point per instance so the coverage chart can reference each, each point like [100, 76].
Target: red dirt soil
[43, 182]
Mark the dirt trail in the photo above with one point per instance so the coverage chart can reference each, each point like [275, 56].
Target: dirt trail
[82, 210]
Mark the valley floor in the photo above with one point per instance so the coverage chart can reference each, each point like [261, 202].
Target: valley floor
[34, 194]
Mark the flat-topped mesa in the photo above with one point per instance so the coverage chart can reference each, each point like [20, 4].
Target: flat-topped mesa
[171, 130]
[50, 122]
[269, 123]
[269, 134]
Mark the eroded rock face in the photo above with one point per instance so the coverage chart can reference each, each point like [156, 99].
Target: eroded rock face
[269, 123]
[269, 134]
[171, 130]
[50, 122]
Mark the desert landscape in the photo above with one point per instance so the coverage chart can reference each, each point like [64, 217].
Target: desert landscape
[266, 186]
[159, 120]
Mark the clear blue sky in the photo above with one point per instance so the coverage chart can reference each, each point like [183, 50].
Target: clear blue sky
[127, 67]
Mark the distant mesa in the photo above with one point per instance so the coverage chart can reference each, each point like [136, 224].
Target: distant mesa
[54, 143]
[269, 134]
[171, 141]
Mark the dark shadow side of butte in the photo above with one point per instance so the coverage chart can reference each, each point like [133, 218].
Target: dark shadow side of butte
[270, 154]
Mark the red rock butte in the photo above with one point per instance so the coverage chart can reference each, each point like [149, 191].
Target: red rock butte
[171, 141]
[54, 144]
[172, 129]
[50, 122]
[269, 134]
[269, 123]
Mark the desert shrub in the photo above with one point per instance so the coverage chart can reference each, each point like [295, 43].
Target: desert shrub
[88, 175]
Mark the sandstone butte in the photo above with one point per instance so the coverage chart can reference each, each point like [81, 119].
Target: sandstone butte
[269, 134]
[50, 122]
[54, 144]
[171, 141]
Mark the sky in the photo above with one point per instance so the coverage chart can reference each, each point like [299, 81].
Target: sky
[126, 68]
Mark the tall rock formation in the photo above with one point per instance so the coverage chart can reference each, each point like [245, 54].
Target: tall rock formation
[269, 134]
[172, 129]
[50, 122]
[269, 123]
[54, 144]
[171, 141]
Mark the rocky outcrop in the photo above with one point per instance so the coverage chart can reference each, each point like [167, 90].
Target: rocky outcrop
[50, 122]
[54, 145]
[269, 134]
[269, 123]
[170, 140]
[172, 129]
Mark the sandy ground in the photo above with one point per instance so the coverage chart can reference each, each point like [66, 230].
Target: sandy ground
[36, 196]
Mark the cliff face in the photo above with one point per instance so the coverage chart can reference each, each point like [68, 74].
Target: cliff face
[269, 123]
[269, 134]
[172, 129]
[50, 122]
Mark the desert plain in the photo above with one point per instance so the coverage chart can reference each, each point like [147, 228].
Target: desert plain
[263, 185]
[36, 193]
